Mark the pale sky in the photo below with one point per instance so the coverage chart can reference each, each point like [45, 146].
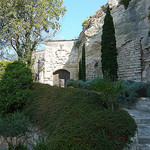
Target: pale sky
[77, 12]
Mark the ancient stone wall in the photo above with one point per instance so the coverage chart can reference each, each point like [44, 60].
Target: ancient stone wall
[132, 26]
[58, 55]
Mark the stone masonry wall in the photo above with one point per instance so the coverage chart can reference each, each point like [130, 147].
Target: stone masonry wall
[132, 26]
[58, 54]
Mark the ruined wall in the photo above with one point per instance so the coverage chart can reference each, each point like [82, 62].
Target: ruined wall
[132, 28]
[58, 54]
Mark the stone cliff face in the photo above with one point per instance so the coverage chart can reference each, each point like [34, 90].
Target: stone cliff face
[132, 27]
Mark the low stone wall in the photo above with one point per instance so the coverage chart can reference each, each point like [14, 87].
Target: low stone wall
[28, 139]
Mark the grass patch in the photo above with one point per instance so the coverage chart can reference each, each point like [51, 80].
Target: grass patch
[78, 119]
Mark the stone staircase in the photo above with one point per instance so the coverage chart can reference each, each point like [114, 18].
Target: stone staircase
[141, 113]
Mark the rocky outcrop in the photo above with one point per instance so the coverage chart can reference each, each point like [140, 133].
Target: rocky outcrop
[132, 27]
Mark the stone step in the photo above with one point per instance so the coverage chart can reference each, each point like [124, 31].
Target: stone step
[144, 139]
[143, 120]
[144, 129]
[144, 146]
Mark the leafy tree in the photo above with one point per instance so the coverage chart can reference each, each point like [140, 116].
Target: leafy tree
[3, 65]
[83, 64]
[25, 23]
[108, 50]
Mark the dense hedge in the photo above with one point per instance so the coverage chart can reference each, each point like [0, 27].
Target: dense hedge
[15, 87]
[78, 119]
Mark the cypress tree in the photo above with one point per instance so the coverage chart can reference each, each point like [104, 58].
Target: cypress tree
[108, 48]
[83, 64]
[80, 71]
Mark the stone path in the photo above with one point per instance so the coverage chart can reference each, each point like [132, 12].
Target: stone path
[142, 119]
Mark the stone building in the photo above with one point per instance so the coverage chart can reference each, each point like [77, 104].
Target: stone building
[60, 58]
[57, 63]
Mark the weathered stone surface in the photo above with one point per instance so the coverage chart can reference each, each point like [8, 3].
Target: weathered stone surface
[132, 38]
[57, 55]
[132, 26]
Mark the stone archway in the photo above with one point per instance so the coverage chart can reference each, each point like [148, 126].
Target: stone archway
[60, 77]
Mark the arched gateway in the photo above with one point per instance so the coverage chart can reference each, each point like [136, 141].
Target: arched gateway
[60, 77]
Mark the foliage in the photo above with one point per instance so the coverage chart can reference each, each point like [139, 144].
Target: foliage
[80, 70]
[78, 119]
[15, 87]
[125, 3]
[19, 146]
[80, 84]
[69, 82]
[108, 50]
[3, 65]
[88, 83]
[133, 90]
[14, 125]
[41, 144]
[108, 90]
[82, 66]
[23, 23]
[83, 71]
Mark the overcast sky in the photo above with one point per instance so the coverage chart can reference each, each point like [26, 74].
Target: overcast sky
[77, 12]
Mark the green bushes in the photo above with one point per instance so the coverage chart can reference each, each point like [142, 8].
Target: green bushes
[14, 126]
[15, 87]
[78, 119]
[133, 90]
[125, 3]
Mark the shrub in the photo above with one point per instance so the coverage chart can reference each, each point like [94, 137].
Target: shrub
[125, 3]
[69, 82]
[78, 119]
[15, 87]
[80, 84]
[41, 144]
[20, 146]
[14, 125]
[132, 91]
[88, 83]
[108, 90]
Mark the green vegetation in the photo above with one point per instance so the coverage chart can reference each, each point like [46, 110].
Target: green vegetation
[82, 66]
[125, 3]
[108, 50]
[15, 87]
[14, 125]
[108, 90]
[23, 23]
[3, 65]
[132, 91]
[78, 119]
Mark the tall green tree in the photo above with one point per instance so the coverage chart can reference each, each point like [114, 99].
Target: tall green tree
[80, 70]
[83, 64]
[25, 23]
[108, 48]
